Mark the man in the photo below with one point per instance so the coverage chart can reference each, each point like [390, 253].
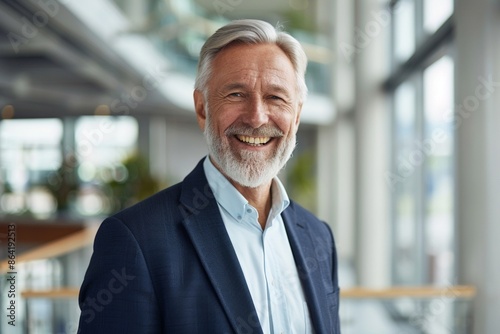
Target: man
[224, 251]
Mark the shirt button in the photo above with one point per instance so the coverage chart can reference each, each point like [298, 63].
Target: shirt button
[249, 210]
[239, 217]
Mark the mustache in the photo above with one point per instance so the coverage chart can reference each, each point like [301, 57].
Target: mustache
[266, 130]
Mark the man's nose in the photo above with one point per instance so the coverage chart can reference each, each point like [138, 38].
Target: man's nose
[257, 113]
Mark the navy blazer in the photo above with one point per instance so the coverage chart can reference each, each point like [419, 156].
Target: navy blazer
[167, 265]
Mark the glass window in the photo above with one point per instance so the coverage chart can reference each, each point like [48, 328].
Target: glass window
[406, 234]
[436, 12]
[423, 148]
[437, 146]
[404, 29]
[30, 144]
[103, 143]
[30, 150]
[405, 110]
[104, 140]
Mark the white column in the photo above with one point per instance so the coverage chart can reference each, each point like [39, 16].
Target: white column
[372, 115]
[336, 163]
[478, 156]
[336, 186]
[326, 169]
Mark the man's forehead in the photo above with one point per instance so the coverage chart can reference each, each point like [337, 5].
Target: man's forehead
[252, 53]
[250, 62]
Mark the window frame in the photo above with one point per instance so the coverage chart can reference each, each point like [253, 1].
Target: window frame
[428, 49]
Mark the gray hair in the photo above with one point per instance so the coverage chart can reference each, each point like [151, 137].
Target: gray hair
[251, 32]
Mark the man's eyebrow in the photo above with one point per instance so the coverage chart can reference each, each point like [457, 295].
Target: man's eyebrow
[273, 87]
[233, 86]
[280, 89]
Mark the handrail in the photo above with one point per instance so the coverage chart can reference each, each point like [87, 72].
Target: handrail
[457, 291]
[60, 293]
[55, 248]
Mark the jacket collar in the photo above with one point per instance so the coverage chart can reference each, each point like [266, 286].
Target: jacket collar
[305, 253]
[206, 229]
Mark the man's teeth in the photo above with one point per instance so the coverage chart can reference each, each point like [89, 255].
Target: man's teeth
[254, 140]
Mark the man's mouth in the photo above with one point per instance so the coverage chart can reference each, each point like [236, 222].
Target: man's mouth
[253, 141]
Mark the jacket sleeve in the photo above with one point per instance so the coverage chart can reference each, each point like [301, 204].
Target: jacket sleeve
[117, 294]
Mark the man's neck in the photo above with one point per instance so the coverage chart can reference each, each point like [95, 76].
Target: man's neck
[260, 197]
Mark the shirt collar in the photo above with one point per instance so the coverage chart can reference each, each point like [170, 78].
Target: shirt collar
[233, 201]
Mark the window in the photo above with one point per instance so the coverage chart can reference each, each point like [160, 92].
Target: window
[404, 30]
[37, 179]
[438, 170]
[405, 200]
[30, 151]
[102, 141]
[436, 12]
[422, 179]
[102, 145]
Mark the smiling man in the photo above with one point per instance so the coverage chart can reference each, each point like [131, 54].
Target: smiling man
[226, 250]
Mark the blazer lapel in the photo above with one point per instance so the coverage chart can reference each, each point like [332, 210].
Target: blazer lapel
[208, 234]
[308, 268]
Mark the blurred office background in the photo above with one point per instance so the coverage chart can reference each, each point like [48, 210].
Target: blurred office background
[397, 150]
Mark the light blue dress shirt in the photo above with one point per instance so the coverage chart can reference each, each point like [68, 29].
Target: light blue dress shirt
[265, 256]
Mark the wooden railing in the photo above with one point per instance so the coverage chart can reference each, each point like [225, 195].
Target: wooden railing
[61, 293]
[457, 291]
[61, 246]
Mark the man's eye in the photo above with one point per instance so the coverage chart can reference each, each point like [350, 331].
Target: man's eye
[275, 97]
[236, 94]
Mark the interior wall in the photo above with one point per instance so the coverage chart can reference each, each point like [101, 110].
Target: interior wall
[478, 156]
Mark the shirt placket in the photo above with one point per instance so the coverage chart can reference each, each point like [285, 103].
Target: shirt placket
[277, 299]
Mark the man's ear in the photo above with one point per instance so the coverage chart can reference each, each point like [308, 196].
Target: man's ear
[199, 108]
[297, 117]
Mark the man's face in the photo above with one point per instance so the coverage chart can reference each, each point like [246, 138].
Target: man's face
[252, 111]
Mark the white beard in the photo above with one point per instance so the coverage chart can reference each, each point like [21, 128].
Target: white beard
[248, 168]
